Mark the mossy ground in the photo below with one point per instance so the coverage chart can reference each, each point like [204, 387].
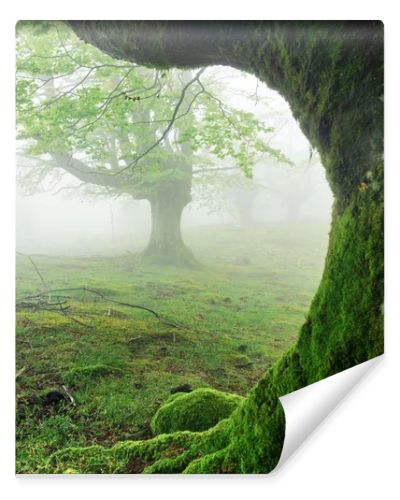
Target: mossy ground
[235, 320]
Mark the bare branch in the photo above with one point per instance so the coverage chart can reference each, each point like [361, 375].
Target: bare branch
[42, 107]
[104, 106]
[217, 169]
[185, 113]
[220, 105]
[169, 126]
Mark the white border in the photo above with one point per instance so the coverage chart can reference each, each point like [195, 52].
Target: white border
[353, 454]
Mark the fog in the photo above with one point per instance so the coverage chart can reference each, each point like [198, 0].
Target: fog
[60, 220]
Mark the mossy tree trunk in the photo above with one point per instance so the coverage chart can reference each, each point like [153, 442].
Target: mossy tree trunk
[331, 73]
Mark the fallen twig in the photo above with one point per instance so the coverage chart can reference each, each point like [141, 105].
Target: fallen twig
[20, 372]
[36, 269]
[69, 395]
[39, 303]
[24, 302]
[132, 339]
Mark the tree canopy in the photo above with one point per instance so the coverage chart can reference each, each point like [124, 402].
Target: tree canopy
[118, 125]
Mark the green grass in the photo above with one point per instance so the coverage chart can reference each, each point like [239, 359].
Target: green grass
[237, 314]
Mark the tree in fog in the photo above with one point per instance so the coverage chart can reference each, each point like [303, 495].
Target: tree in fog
[121, 129]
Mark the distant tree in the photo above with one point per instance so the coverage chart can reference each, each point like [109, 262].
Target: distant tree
[121, 129]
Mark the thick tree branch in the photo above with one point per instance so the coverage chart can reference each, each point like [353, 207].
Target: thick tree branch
[171, 43]
[81, 171]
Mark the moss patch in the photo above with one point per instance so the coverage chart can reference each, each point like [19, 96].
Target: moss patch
[196, 411]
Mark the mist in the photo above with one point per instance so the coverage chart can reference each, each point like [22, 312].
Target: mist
[62, 220]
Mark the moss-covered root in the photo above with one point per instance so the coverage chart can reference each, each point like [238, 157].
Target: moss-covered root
[195, 411]
[256, 435]
[167, 453]
[248, 442]
[123, 458]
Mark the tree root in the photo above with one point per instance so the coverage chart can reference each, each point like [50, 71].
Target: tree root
[167, 453]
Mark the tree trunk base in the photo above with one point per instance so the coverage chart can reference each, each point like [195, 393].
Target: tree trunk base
[177, 255]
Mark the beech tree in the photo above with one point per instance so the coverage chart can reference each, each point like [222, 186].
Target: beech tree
[122, 129]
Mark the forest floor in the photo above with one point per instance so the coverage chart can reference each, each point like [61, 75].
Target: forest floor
[235, 315]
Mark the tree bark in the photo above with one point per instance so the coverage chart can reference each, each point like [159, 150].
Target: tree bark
[166, 246]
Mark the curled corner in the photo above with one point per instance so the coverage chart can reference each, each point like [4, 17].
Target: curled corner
[307, 408]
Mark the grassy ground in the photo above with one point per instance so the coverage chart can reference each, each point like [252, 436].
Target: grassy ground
[236, 314]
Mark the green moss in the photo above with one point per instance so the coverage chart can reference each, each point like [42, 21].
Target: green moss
[195, 411]
[164, 453]
[351, 308]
